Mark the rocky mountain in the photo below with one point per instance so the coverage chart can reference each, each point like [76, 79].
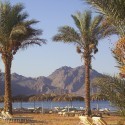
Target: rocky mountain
[62, 80]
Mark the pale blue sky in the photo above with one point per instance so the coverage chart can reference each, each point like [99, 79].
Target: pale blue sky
[42, 61]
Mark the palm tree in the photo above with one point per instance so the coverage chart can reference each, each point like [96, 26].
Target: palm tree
[119, 52]
[15, 33]
[86, 38]
[112, 89]
[114, 10]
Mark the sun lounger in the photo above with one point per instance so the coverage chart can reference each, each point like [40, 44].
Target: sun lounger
[98, 121]
[85, 120]
[9, 118]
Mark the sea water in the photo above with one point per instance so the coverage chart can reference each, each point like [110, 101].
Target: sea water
[51, 104]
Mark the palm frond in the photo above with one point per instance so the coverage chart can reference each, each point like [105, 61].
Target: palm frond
[104, 29]
[87, 20]
[113, 9]
[108, 31]
[84, 24]
[34, 41]
[15, 29]
[116, 8]
[113, 88]
[30, 22]
[18, 31]
[95, 23]
[17, 8]
[77, 21]
[82, 21]
[25, 44]
[67, 34]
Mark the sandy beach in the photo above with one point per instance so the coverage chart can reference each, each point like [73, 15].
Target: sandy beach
[55, 119]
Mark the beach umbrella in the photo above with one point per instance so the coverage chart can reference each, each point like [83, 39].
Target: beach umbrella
[33, 99]
[68, 97]
[41, 97]
[20, 98]
[98, 96]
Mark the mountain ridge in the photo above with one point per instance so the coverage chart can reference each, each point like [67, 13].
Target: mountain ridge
[63, 80]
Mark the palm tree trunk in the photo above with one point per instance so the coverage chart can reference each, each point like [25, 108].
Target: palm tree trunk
[7, 59]
[87, 61]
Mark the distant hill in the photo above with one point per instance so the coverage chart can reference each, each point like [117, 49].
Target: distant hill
[62, 80]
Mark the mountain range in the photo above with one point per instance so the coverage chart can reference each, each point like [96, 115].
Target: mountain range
[62, 80]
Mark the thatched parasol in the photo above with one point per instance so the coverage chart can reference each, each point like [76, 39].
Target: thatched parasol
[98, 96]
[68, 97]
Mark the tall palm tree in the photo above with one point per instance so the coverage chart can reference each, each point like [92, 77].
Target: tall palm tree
[114, 10]
[90, 30]
[15, 33]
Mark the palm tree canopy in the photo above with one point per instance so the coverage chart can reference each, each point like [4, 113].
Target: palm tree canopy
[113, 89]
[15, 31]
[119, 55]
[89, 31]
[114, 10]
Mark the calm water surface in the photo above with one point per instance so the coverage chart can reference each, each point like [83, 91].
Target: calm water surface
[50, 104]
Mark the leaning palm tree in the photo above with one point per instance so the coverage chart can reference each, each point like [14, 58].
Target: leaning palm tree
[15, 33]
[114, 10]
[86, 39]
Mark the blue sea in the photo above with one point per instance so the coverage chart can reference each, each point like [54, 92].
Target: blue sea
[51, 105]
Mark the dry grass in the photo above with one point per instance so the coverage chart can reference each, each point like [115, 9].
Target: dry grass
[114, 120]
[53, 119]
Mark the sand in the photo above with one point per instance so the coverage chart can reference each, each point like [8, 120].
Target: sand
[55, 119]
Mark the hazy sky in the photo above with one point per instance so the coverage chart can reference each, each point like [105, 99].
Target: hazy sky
[42, 61]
